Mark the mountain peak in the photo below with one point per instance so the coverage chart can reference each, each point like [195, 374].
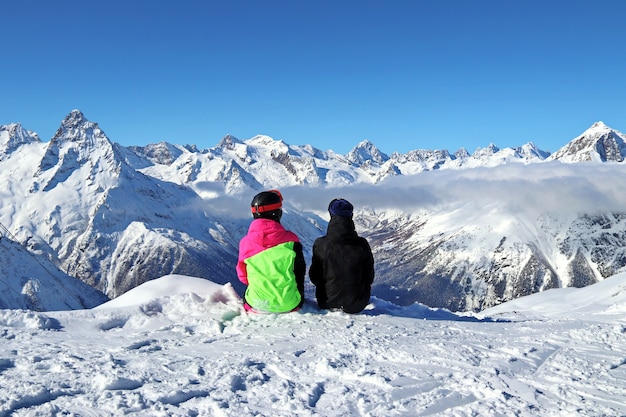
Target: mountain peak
[532, 151]
[599, 125]
[79, 140]
[485, 152]
[265, 140]
[365, 144]
[599, 143]
[228, 142]
[74, 118]
[366, 151]
[599, 128]
[74, 126]
[14, 135]
[161, 153]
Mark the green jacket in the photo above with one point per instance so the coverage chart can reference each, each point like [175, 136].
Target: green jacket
[271, 263]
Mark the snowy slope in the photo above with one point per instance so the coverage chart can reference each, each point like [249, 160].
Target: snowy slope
[31, 282]
[181, 346]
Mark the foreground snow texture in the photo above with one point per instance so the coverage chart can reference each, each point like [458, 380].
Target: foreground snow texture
[182, 346]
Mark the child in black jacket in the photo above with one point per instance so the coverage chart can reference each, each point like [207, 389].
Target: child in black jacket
[342, 268]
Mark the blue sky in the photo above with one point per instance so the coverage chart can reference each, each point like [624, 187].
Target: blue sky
[403, 74]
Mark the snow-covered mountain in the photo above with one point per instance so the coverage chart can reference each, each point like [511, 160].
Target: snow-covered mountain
[472, 255]
[13, 136]
[461, 231]
[599, 143]
[102, 221]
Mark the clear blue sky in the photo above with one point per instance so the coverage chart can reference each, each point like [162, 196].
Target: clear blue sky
[403, 74]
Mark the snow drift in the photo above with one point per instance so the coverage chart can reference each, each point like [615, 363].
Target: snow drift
[181, 346]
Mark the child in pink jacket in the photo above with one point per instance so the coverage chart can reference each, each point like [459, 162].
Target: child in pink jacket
[271, 262]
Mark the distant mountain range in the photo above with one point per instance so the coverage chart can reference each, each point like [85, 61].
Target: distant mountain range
[114, 217]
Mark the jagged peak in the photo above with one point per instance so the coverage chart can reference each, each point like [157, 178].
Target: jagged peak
[365, 144]
[78, 140]
[597, 129]
[598, 143]
[162, 145]
[17, 135]
[530, 144]
[74, 118]
[527, 147]
[599, 125]
[74, 127]
[192, 148]
[366, 151]
[315, 152]
[162, 153]
[228, 142]
[461, 153]
[530, 149]
[489, 150]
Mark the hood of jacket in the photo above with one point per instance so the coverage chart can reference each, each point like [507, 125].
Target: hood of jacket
[341, 227]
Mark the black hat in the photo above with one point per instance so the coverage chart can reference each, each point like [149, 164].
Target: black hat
[267, 205]
[340, 207]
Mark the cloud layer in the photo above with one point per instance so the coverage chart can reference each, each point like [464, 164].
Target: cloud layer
[535, 188]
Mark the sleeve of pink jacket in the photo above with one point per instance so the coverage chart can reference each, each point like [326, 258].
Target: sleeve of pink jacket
[242, 272]
[247, 248]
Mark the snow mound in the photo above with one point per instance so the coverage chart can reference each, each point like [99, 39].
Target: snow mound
[604, 301]
[172, 285]
[26, 319]
[168, 301]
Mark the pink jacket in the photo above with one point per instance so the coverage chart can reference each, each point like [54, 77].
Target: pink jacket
[272, 265]
[263, 234]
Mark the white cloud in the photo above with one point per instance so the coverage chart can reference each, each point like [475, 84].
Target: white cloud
[535, 188]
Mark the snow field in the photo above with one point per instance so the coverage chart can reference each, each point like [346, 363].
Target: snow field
[181, 346]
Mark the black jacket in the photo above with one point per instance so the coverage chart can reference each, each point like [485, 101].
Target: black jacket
[342, 268]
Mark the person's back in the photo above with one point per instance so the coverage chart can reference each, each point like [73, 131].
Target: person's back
[342, 267]
[270, 261]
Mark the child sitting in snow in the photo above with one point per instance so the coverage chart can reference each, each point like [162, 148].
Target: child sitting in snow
[342, 268]
[271, 262]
